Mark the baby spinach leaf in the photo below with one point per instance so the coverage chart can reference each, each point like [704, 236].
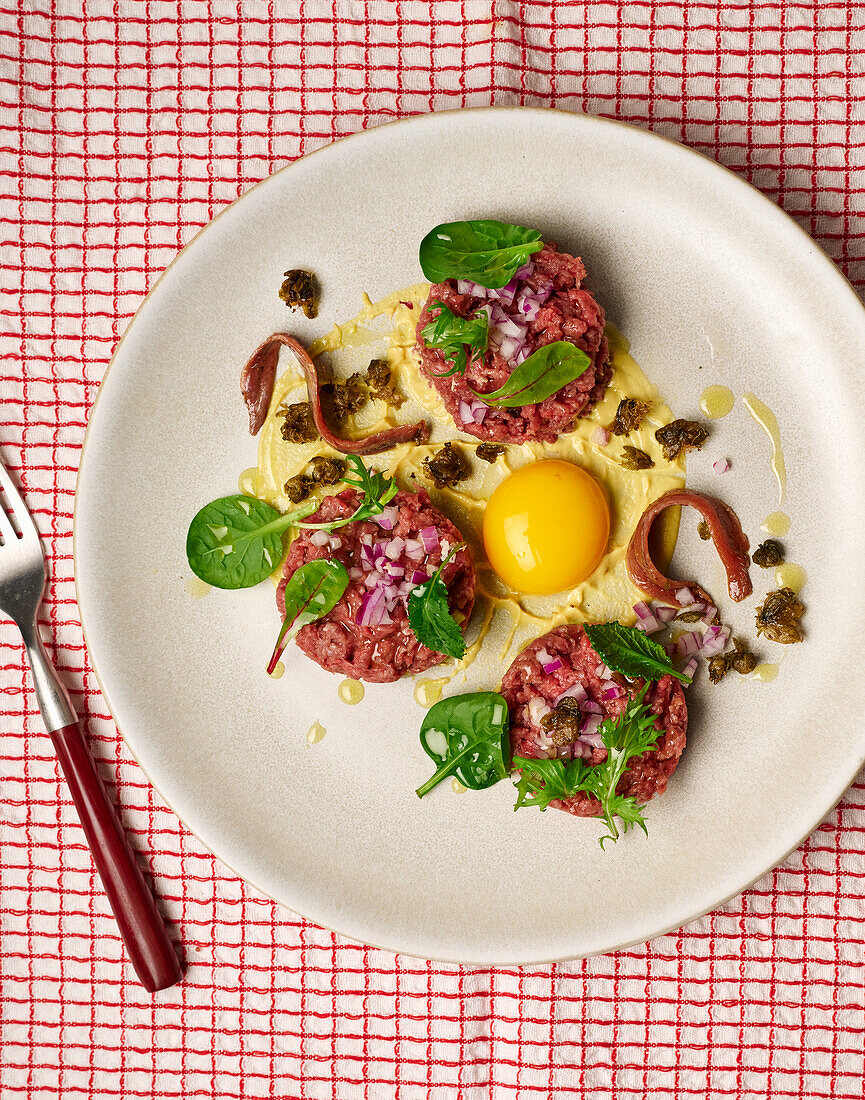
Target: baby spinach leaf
[631, 652]
[540, 376]
[467, 736]
[629, 735]
[312, 591]
[236, 541]
[486, 252]
[451, 335]
[430, 617]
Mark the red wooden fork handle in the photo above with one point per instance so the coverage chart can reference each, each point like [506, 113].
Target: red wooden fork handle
[141, 926]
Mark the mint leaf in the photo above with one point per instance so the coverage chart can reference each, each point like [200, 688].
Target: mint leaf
[430, 617]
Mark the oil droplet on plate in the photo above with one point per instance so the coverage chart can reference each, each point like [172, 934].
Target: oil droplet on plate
[777, 524]
[278, 672]
[457, 786]
[427, 692]
[791, 576]
[769, 423]
[197, 588]
[315, 733]
[717, 401]
[350, 692]
[765, 672]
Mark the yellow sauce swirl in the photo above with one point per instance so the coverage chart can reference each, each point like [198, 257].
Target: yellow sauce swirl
[386, 329]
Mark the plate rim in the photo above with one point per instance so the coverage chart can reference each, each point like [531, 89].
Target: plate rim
[770, 209]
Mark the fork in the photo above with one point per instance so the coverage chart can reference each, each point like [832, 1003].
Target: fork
[22, 581]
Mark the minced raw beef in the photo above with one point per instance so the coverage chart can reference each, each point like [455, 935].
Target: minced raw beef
[530, 692]
[569, 313]
[382, 653]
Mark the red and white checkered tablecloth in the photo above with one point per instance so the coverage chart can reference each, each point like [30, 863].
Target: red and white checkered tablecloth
[126, 125]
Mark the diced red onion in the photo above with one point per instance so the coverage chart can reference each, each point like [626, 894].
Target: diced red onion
[419, 578]
[720, 465]
[552, 666]
[395, 570]
[510, 328]
[429, 536]
[690, 644]
[537, 709]
[601, 437]
[335, 542]
[465, 412]
[603, 672]
[508, 348]
[387, 519]
[709, 617]
[663, 613]
[590, 707]
[479, 411]
[319, 538]
[414, 549]
[684, 596]
[646, 621]
[372, 609]
[527, 307]
[590, 728]
[610, 689]
[691, 667]
[394, 548]
[592, 739]
[715, 641]
[577, 691]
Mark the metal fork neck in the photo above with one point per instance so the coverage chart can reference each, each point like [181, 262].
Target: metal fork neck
[54, 703]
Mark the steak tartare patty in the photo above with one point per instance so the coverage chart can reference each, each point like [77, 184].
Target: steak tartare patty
[544, 303]
[398, 559]
[531, 692]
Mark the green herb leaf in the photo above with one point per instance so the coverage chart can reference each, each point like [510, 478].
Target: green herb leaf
[377, 491]
[626, 737]
[467, 736]
[236, 541]
[430, 617]
[312, 591]
[540, 376]
[631, 652]
[486, 252]
[451, 335]
[542, 781]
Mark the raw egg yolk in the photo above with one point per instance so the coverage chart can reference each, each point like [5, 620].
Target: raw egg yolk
[546, 527]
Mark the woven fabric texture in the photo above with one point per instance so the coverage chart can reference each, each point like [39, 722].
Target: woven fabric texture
[125, 126]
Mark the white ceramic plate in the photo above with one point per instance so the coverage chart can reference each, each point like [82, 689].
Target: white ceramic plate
[712, 283]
